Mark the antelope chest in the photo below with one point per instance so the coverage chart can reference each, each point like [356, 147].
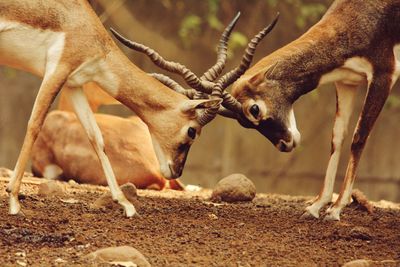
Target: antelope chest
[30, 49]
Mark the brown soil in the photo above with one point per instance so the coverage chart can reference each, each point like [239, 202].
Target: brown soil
[184, 229]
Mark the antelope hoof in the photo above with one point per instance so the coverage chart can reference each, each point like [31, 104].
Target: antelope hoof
[332, 214]
[15, 207]
[129, 210]
[310, 213]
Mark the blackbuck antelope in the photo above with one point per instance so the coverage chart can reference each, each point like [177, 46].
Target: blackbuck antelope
[355, 42]
[65, 43]
[63, 151]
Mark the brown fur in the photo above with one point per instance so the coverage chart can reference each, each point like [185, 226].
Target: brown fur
[366, 29]
[63, 142]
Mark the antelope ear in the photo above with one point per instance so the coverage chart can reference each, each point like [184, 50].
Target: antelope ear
[256, 79]
[191, 105]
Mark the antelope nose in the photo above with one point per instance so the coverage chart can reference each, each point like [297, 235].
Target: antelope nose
[285, 146]
[175, 173]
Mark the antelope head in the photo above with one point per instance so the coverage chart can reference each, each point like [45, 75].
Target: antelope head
[267, 103]
[208, 86]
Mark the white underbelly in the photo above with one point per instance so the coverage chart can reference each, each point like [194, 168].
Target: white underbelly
[30, 49]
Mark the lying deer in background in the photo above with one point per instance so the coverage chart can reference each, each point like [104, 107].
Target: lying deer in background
[69, 59]
[357, 41]
[62, 149]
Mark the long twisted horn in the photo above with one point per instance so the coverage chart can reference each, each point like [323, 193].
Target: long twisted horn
[190, 78]
[167, 81]
[190, 93]
[229, 102]
[233, 75]
[212, 73]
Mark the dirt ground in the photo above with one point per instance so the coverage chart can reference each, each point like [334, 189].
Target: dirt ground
[185, 229]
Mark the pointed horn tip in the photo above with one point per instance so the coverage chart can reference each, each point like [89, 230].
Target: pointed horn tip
[278, 14]
[116, 34]
[238, 15]
[234, 21]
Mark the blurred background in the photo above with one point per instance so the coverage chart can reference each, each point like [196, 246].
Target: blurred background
[188, 31]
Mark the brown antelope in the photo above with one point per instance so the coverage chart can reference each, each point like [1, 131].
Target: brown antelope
[65, 43]
[355, 42]
[62, 149]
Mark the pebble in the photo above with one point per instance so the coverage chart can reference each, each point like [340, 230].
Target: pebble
[362, 233]
[50, 188]
[234, 188]
[106, 201]
[119, 254]
[358, 263]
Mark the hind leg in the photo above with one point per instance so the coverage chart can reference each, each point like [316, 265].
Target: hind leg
[377, 94]
[345, 101]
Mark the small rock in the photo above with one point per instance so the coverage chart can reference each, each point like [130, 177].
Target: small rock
[362, 233]
[119, 254]
[358, 263]
[21, 254]
[21, 263]
[361, 200]
[60, 260]
[72, 182]
[129, 191]
[50, 188]
[4, 172]
[106, 201]
[234, 188]
[212, 216]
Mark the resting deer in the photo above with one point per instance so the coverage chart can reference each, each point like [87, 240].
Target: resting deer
[68, 58]
[355, 42]
[63, 151]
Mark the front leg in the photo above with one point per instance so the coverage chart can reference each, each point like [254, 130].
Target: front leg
[85, 116]
[377, 94]
[49, 88]
[345, 95]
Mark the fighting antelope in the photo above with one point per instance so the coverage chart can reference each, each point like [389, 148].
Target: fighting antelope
[67, 58]
[63, 151]
[356, 42]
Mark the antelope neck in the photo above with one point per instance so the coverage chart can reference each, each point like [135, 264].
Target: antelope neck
[142, 93]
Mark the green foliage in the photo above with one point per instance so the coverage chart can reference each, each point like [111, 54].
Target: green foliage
[237, 41]
[272, 3]
[309, 13]
[190, 29]
[393, 102]
[212, 17]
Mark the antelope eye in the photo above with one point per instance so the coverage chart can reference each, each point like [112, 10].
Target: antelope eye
[192, 132]
[255, 110]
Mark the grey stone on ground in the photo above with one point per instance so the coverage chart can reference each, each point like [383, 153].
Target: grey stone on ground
[51, 188]
[118, 254]
[234, 188]
[358, 263]
[106, 201]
